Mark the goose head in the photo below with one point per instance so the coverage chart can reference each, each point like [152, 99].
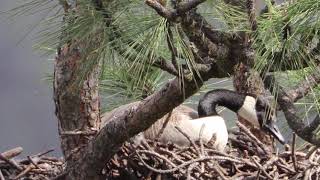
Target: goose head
[260, 113]
[256, 110]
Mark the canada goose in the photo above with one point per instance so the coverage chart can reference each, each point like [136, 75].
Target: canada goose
[191, 122]
[257, 110]
[183, 117]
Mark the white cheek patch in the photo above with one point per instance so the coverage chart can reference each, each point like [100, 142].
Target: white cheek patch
[248, 111]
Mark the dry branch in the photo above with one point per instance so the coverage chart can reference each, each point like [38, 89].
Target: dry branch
[173, 14]
[37, 167]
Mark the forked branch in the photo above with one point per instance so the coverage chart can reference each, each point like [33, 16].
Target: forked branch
[173, 14]
[286, 101]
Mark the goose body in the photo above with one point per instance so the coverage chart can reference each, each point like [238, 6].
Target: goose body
[187, 120]
[215, 130]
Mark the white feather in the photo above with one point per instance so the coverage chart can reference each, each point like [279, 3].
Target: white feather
[185, 118]
[214, 127]
[248, 110]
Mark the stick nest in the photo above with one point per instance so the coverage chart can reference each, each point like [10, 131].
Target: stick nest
[245, 158]
[35, 167]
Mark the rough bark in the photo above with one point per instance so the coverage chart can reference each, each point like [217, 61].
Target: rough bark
[130, 122]
[77, 108]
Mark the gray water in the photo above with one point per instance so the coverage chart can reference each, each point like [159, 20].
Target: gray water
[26, 108]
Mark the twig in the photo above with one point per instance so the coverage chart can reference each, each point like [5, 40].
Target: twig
[189, 138]
[186, 162]
[189, 171]
[247, 132]
[258, 174]
[163, 126]
[12, 152]
[262, 169]
[161, 157]
[34, 162]
[76, 133]
[270, 162]
[285, 165]
[44, 153]
[220, 173]
[313, 149]
[307, 174]
[11, 162]
[175, 156]
[206, 158]
[186, 6]
[166, 66]
[172, 48]
[293, 151]
[235, 177]
[288, 153]
[24, 172]
[1, 176]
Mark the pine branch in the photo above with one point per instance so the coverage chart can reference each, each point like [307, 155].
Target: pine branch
[252, 14]
[166, 66]
[172, 48]
[179, 10]
[305, 86]
[219, 52]
[286, 101]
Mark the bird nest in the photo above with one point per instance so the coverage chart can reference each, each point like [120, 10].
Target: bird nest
[35, 167]
[245, 158]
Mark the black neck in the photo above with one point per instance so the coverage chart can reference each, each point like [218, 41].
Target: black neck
[219, 97]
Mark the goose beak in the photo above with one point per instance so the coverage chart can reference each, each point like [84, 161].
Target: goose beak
[274, 131]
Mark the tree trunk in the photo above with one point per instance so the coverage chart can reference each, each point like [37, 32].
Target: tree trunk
[77, 108]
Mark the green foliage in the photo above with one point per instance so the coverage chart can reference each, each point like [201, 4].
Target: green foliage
[129, 36]
[288, 38]
[119, 84]
[288, 35]
[134, 38]
[126, 44]
[225, 17]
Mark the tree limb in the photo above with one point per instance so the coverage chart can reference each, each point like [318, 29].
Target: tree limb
[173, 14]
[286, 101]
[305, 86]
[161, 10]
[130, 122]
[212, 50]
[159, 62]
[166, 66]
